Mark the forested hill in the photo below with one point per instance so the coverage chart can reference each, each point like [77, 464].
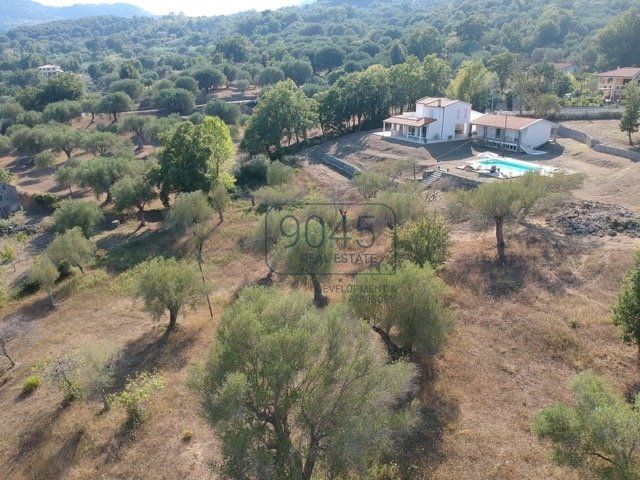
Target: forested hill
[20, 12]
[539, 30]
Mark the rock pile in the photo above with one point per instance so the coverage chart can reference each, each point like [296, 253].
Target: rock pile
[595, 218]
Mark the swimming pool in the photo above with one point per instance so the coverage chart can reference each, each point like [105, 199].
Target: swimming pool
[489, 163]
[511, 167]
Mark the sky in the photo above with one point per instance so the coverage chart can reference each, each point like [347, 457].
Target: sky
[189, 7]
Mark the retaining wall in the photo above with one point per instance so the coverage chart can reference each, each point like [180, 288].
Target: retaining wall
[577, 135]
[340, 166]
[618, 152]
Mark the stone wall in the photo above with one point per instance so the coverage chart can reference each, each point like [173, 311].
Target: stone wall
[618, 152]
[340, 166]
[587, 113]
[597, 145]
[577, 135]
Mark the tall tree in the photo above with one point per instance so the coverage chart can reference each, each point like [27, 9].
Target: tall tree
[503, 65]
[471, 84]
[294, 390]
[616, 43]
[283, 111]
[631, 116]
[194, 157]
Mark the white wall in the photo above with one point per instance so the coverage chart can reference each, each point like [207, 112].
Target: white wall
[537, 134]
[446, 119]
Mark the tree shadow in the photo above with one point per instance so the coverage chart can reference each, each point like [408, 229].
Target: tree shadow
[57, 465]
[37, 435]
[420, 445]
[149, 352]
[449, 151]
[534, 256]
[126, 250]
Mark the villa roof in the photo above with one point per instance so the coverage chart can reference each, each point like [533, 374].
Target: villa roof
[512, 122]
[49, 66]
[625, 72]
[410, 120]
[437, 101]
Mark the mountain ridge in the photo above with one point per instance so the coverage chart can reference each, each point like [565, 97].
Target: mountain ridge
[14, 13]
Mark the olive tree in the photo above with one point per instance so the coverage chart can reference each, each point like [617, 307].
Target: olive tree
[77, 213]
[219, 198]
[626, 312]
[102, 173]
[44, 273]
[166, 284]
[299, 393]
[405, 307]
[307, 254]
[133, 191]
[71, 249]
[12, 328]
[425, 241]
[505, 201]
[598, 435]
[192, 212]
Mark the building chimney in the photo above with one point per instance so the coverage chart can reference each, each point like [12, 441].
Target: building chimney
[439, 103]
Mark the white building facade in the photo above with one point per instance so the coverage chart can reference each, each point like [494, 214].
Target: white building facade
[50, 70]
[513, 133]
[435, 120]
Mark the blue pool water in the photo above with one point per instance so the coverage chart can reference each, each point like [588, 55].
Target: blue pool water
[511, 166]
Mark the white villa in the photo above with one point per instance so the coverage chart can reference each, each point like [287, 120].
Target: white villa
[435, 120]
[50, 70]
[513, 133]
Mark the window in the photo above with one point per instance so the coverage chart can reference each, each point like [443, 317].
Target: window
[498, 132]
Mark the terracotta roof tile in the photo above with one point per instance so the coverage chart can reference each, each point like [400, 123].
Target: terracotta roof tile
[498, 121]
[626, 72]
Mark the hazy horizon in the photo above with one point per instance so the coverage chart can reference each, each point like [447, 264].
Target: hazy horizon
[188, 7]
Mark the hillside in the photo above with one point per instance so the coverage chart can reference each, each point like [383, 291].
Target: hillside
[24, 12]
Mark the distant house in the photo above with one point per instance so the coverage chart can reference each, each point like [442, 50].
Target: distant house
[50, 70]
[513, 133]
[9, 200]
[612, 82]
[435, 120]
[567, 68]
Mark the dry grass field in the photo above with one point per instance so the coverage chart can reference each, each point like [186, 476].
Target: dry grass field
[607, 131]
[523, 331]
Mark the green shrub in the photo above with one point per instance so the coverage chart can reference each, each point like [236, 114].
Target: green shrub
[251, 172]
[278, 197]
[279, 174]
[31, 383]
[44, 159]
[5, 145]
[187, 434]
[229, 113]
[135, 396]
[46, 201]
